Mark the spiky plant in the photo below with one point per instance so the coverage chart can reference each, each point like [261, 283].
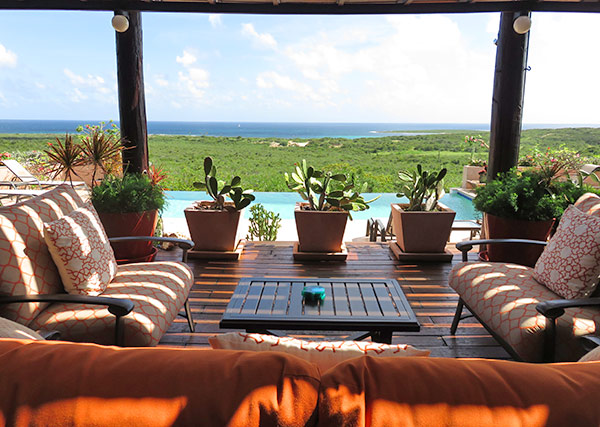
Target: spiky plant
[64, 158]
[99, 148]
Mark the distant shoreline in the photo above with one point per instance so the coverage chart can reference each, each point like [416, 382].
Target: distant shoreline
[270, 129]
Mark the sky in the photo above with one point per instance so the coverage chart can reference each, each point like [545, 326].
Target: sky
[207, 67]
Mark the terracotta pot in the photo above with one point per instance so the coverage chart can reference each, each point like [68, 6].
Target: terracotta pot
[130, 224]
[505, 228]
[213, 230]
[422, 232]
[320, 231]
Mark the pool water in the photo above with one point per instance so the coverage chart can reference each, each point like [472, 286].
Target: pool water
[283, 204]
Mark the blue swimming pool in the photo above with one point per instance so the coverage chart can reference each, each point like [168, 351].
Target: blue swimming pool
[283, 204]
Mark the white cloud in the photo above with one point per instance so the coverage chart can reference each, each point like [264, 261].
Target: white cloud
[7, 58]
[161, 81]
[194, 81]
[186, 59]
[302, 91]
[88, 81]
[260, 39]
[88, 87]
[215, 19]
[563, 84]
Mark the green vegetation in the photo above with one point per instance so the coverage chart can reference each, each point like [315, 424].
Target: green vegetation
[264, 224]
[422, 188]
[131, 193]
[263, 161]
[528, 195]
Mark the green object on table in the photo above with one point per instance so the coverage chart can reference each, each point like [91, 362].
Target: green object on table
[313, 294]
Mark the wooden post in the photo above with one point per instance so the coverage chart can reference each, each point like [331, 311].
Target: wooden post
[132, 103]
[507, 99]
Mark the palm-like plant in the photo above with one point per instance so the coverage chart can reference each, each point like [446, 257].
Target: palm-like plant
[99, 148]
[64, 158]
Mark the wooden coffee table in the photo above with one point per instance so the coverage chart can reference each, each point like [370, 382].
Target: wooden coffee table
[377, 307]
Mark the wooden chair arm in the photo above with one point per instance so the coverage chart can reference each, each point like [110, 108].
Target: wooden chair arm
[467, 245]
[184, 244]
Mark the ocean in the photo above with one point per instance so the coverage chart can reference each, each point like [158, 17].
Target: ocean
[264, 130]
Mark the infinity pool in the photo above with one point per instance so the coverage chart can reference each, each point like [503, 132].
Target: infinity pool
[283, 204]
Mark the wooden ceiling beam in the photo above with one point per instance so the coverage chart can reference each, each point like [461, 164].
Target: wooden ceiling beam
[414, 7]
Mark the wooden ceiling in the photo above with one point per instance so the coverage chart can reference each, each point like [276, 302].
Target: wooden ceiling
[325, 7]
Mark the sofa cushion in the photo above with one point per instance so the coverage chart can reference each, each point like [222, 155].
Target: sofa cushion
[86, 384]
[570, 263]
[10, 329]
[26, 265]
[325, 354]
[81, 251]
[589, 203]
[504, 297]
[158, 290]
[450, 392]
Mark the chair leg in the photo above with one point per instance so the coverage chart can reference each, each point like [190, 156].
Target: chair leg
[119, 335]
[457, 316]
[188, 315]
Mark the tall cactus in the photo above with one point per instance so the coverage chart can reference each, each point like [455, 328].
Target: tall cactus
[422, 188]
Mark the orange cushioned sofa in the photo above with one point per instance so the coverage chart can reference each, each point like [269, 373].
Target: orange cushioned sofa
[59, 383]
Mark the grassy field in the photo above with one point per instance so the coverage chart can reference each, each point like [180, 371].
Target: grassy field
[261, 162]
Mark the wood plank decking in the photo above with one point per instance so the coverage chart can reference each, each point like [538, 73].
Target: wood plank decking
[424, 285]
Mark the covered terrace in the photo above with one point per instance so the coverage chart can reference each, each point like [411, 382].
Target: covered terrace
[425, 284]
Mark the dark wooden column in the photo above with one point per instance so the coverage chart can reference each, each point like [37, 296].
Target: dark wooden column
[507, 99]
[132, 103]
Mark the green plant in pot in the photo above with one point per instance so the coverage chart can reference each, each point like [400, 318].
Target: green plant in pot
[523, 205]
[422, 225]
[213, 224]
[129, 206]
[329, 199]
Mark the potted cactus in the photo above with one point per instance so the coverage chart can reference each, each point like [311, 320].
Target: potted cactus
[422, 225]
[213, 224]
[321, 220]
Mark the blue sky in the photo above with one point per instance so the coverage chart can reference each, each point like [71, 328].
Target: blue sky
[200, 67]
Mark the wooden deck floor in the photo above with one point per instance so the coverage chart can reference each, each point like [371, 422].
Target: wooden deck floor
[424, 285]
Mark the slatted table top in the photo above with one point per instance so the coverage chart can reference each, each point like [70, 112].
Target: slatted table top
[349, 304]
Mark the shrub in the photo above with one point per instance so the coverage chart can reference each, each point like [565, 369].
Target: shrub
[264, 224]
[131, 193]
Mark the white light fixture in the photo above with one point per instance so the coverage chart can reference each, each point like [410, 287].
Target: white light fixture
[522, 24]
[120, 23]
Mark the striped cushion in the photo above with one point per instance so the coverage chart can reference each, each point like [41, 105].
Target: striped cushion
[26, 267]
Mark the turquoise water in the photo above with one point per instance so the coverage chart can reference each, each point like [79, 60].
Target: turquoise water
[283, 204]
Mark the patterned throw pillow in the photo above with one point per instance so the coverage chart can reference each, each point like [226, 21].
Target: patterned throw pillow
[10, 329]
[589, 203]
[591, 356]
[81, 251]
[570, 263]
[324, 354]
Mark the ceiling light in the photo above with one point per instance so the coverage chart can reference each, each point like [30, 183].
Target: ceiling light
[522, 24]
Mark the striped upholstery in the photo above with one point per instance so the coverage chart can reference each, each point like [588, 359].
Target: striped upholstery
[504, 297]
[26, 267]
[158, 291]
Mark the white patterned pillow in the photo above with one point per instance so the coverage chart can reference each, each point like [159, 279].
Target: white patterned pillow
[570, 263]
[10, 329]
[81, 251]
[324, 354]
